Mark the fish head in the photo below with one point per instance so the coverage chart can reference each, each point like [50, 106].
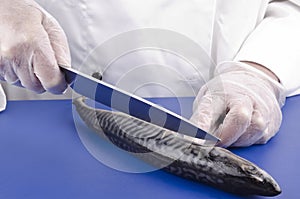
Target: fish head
[242, 176]
[258, 180]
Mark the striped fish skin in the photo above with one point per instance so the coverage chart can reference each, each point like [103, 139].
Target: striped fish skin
[178, 155]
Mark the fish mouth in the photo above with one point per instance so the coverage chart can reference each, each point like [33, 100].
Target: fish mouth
[262, 184]
[265, 188]
[265, 184]
[272, 190]
[269, 187]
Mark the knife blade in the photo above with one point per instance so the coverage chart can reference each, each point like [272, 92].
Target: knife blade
[133, 105]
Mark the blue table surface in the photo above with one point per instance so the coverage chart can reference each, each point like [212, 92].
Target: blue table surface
[42, 156]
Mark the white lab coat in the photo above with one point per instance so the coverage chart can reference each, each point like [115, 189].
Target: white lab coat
[258, 30]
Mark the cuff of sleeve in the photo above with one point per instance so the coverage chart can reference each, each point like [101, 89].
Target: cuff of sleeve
[274, 45]
[230, 66]
[287, 79]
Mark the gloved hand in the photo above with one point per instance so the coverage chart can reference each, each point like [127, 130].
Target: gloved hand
[32, 44]
[2, 99]
[241, 105]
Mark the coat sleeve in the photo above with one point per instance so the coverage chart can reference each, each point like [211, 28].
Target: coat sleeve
[275, 44]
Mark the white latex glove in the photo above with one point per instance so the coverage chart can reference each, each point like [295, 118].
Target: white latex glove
[32, 44]
[241, 105]
[2, 99]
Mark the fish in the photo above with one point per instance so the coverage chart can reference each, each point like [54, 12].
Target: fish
[177, 154]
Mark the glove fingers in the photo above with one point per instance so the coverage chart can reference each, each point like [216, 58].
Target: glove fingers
[58, 40]
[7, 72]
[25, 72]
[273, 118]
[17, 66]
[273, 128]
[207, 111]
[254, 132]
[236, 121]
[46, 68]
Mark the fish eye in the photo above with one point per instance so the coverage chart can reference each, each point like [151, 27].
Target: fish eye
[249, 169]
[252, 171]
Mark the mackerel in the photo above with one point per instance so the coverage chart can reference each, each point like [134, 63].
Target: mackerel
[177, 154]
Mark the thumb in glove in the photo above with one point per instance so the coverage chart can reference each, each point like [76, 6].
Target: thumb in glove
[2, 99]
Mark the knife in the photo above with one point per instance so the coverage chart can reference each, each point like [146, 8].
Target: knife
[133, 105]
